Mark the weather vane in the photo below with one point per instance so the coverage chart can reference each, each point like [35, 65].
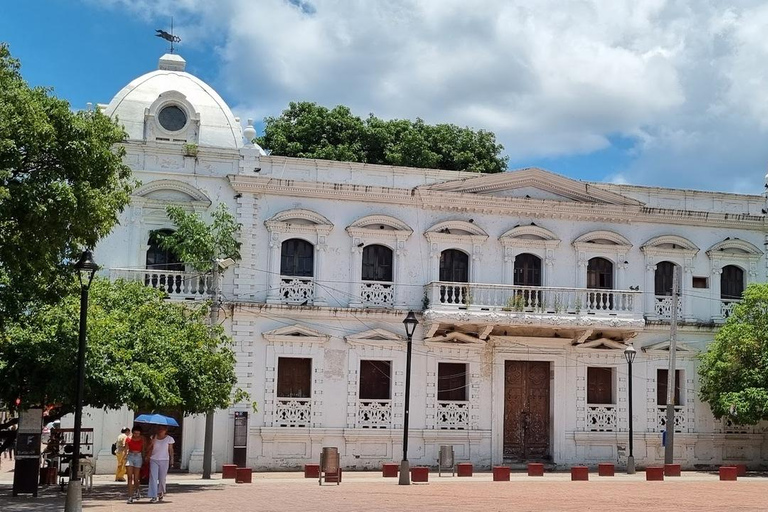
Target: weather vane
[168, 36]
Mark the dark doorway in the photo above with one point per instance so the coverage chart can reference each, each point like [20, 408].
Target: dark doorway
[526, 411]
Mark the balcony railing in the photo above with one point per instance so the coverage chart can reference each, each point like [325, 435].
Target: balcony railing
[680, 418]
[452, 415]
[601, 418]
[533, 299]
[377, 294]
[374, 414]
[726, 307]
[662, 307]
[293, 412]
[297, 290]
[177, 284]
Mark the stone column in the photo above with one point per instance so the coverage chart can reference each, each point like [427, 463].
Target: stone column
[508, 268]
[273, 294]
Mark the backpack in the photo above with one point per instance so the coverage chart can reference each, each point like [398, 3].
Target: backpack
[114, 448]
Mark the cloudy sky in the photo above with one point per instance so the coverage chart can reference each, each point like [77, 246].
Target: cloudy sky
[655, 92]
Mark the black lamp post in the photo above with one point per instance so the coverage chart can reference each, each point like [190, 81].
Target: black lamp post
[629, 355]
[86, 268]
[410, 323]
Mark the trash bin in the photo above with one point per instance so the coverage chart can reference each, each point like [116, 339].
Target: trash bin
[329, 465]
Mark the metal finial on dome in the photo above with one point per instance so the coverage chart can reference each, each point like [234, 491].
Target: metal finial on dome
[249, 132]
[168, 36]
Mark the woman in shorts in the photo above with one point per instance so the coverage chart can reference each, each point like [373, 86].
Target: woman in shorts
[134, 458]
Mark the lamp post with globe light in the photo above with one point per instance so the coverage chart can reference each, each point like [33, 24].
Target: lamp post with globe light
[629, 355]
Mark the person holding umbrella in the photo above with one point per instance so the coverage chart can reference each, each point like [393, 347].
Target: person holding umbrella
[161, 453]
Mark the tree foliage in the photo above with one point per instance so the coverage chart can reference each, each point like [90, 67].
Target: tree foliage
[308, 130]
[62, 186]
[198, 243]
[734, 371]
[143, 351]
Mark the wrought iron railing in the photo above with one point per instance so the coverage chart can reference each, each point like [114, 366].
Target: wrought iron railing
[297, 290]
[374, 414]
[452, 415]
[377, 294]
[601, 418]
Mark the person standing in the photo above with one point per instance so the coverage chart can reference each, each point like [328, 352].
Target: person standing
[135, 450]
[161, 455]
[120, 454]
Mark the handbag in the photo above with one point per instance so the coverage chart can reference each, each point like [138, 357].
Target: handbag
[114, 448]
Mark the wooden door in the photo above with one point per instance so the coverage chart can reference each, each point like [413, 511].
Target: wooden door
[526, 410]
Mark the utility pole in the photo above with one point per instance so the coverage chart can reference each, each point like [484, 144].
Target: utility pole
[208, 442]
[672, 372]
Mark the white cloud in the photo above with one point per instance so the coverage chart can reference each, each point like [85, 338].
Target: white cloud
[684, 78]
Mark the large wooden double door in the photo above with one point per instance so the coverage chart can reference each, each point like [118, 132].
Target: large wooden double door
[526, 410]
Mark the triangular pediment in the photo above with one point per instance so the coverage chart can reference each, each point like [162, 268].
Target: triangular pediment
[295, 334]
[535, 184]
[663, 346]
[375, 337]
[456, 338]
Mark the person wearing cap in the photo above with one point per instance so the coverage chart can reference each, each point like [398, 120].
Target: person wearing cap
[121, 454]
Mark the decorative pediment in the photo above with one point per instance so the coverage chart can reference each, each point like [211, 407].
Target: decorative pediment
[295, 334]
[530, 236]
[375, 338]
[734, 248]
[164, 192]
[669, 245]
[663, 346]
[533, 183]
[602, 241]
[456, 230]
[603, 343]
[299, 220]
[456, 338]
[379, 226]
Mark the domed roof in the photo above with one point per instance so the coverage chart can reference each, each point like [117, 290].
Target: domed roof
[170, 85]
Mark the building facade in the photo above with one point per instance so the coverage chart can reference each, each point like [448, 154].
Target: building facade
[528, 287]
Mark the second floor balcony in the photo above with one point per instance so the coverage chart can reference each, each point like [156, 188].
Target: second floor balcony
[534, 300]
[179, 285]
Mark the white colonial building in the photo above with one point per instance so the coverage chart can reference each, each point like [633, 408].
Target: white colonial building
[528, 286]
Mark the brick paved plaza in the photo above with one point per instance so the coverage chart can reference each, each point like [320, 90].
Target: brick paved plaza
[369, 491]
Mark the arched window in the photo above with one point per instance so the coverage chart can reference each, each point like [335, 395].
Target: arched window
[297, 258]
[527, 270]
[663, 278]
[377, 263]
[600, 274]
[731, 283]
[159, 258]
[454, 266]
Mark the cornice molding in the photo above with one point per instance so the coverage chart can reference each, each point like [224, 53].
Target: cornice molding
[441, 232]
[506, 206]
[619, 243]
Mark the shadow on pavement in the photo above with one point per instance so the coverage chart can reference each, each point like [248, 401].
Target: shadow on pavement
[52, 499]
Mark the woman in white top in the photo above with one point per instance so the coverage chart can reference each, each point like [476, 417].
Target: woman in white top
[161, 450]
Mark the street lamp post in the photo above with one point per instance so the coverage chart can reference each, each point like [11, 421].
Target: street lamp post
[86, 268]
[629, 355]
[410, 323]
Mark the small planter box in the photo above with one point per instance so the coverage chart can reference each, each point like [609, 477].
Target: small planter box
[728, 473]
[311, 470]
[535, 469]
[579, 473]
[228, 471]
[501, 474]
[464, 469]
[606, 469]
[671, 469]
[243, 475]
[741, 470]
[654, 474]
[420, 474]
[389, 470]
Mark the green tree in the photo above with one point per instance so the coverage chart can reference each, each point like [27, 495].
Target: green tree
[308, 130]
[143, 351]
[198, 243]
[62, 185]
[733, 373]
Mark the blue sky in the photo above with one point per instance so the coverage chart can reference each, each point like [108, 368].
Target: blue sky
[656, 92]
